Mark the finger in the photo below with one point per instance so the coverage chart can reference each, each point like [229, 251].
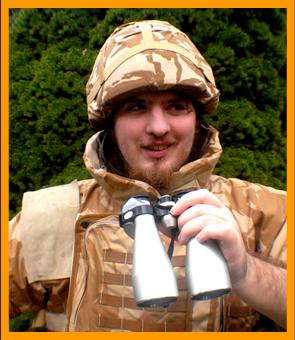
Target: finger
[192, 198]
[200, 210]
[194, 226]
[227, 236]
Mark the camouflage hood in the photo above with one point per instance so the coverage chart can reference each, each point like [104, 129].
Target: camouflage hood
[147, 55]
[195, 174]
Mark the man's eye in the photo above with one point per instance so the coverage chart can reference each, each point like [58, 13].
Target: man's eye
[134, 107]
[177, 107]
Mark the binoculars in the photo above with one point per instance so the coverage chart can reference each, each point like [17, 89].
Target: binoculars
[153, 278]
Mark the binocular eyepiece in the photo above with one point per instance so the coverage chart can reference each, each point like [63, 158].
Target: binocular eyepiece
[153, 279]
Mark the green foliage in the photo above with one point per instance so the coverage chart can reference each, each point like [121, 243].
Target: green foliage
[51, 56]
[23, 323]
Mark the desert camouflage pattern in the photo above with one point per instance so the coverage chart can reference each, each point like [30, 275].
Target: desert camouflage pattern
[146, 56]
[98, 295]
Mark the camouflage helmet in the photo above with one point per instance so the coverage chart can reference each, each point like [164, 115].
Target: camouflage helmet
[145, 56]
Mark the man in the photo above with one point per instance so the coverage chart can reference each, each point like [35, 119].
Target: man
[71, 261]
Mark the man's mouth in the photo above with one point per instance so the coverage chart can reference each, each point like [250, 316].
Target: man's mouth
[157, 147]
[157, 150]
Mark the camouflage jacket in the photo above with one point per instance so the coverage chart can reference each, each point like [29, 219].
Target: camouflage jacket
[71, 262]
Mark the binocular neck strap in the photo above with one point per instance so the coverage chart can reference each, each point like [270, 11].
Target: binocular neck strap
[174, 233]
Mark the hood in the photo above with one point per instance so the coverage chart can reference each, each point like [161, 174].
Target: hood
[195, 174]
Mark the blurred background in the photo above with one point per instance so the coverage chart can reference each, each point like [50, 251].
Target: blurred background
[52, 52]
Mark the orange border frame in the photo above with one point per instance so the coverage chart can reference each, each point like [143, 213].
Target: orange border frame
[5, 5]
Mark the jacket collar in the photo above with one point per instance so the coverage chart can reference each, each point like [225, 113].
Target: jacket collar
[195, 174]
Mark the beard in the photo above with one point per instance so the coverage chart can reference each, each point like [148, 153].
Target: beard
[159, 175]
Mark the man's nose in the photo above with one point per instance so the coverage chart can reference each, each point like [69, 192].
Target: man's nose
[158, 122]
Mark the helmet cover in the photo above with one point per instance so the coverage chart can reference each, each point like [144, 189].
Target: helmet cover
[147, 55]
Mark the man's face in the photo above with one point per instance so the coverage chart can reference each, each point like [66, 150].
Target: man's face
[155, 133]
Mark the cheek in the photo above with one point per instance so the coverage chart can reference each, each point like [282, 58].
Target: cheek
[186, 129]
[126, 133]
[120, 128]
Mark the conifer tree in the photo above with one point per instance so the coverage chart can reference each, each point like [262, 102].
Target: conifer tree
[51, 55]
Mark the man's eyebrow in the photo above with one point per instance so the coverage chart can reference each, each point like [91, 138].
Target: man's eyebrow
[129, 101]
[177, 98]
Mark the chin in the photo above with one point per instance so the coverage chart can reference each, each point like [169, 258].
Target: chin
[157, 175]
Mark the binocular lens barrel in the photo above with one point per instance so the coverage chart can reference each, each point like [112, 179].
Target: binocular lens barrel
[153, 277]
[206, 270]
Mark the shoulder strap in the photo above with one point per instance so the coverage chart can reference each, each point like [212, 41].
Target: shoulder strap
[47, 231]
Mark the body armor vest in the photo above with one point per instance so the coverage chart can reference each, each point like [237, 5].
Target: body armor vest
[106, 300]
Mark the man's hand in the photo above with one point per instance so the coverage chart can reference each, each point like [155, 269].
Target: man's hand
[201, 214]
